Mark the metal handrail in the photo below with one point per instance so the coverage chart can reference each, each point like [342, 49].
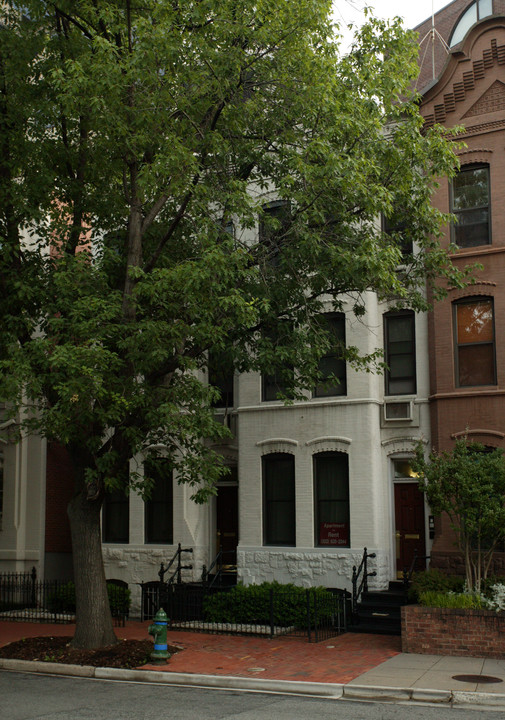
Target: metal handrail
[363, 586]
[407, 574]
[217, 562]
[177, 572]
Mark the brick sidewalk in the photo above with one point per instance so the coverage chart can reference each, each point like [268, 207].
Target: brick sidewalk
[337, 660]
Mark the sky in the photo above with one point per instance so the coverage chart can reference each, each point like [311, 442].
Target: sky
[412, 11]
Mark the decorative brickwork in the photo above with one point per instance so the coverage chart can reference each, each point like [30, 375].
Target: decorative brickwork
[445, 631]
[491, 101]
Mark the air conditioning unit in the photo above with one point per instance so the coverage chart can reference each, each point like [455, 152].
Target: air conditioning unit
[398, 410]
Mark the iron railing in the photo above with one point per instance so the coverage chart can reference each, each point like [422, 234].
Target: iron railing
[177, 573]
[361, 586]
[23, 597]
[307, 613]
[408, 572]
[213, 575]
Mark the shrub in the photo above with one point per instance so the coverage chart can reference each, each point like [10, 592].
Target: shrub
[62, 599]
[433, 580]
[462, 601]
[496, 599]
[251, 604]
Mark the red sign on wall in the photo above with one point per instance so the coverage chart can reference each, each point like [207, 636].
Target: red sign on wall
[334, 534]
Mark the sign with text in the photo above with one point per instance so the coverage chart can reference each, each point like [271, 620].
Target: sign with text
[334, 534]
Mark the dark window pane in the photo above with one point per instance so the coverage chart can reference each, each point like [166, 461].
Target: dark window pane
[332, 364]
[400, 353]
[470, 204]
[398, 228]
[274, 226]
[159, 507]
[221, 376]
[280, 382]
[476, 365]
[331, 493]
[279, 499]
[274, 386]
[116, 517]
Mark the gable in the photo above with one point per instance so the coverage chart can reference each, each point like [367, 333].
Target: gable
[491, 101]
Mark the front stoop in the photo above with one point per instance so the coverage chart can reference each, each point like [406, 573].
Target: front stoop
[379, 611]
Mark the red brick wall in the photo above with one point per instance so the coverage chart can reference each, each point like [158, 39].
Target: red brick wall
[444, 631]
[59, 489]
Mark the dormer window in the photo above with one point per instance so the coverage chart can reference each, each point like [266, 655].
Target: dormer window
[477, 11]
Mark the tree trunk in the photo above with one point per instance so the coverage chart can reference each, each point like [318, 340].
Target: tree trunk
[93, 617]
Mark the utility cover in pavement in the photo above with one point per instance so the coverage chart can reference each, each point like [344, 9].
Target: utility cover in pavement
[481, 679]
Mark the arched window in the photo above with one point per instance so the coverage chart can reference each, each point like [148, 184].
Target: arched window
[477, 11]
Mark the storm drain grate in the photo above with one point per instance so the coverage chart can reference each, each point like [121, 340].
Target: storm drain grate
[480, 679]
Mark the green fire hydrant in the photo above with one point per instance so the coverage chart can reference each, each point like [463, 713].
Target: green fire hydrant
[158, 630]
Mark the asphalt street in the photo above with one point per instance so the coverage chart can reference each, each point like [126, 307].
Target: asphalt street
[44, 697]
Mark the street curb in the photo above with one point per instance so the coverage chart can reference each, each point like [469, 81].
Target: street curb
[289, 687]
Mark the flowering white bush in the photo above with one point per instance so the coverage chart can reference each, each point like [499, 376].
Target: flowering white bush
[497, 599]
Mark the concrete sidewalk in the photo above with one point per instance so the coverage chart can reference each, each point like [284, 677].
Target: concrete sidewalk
[351, 666]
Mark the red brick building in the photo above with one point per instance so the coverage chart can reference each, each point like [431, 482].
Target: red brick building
[463, 84]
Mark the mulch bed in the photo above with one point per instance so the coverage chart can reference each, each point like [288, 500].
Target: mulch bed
[124, 654]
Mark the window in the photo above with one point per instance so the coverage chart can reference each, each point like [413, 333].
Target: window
[470, 204]
[272, 386]
[279, 499]
[221, 376]
[477, 11]
[331, 496]
[332, 365]
[280, 381]
[474, 340]
[274, 225]
[396, 227]
[116, 516]
[159, 518]
[400, 352]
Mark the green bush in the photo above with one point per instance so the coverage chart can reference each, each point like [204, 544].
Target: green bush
[251, 604]
[62, 599]
[119, 599]
[435, 581]
[462, 601]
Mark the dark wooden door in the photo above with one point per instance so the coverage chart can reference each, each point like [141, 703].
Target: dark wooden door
[409, 524]
[227, 522]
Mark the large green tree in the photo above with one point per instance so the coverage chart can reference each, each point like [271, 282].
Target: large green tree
[140, 142]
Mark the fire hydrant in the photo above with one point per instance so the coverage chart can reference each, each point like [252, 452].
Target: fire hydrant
[158, 630]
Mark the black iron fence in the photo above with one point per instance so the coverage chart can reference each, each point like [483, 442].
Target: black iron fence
[315, 613]
[24, 597]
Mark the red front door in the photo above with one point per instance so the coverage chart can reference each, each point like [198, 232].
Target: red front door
[409, 525]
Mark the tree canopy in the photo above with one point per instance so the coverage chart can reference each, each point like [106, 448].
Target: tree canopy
[141, 146]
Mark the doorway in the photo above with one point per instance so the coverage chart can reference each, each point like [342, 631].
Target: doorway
[409, 525]
[227, 523]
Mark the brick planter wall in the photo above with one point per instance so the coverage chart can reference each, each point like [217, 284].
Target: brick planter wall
[446, 631]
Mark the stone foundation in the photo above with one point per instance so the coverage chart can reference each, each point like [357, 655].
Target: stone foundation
[309, 568]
